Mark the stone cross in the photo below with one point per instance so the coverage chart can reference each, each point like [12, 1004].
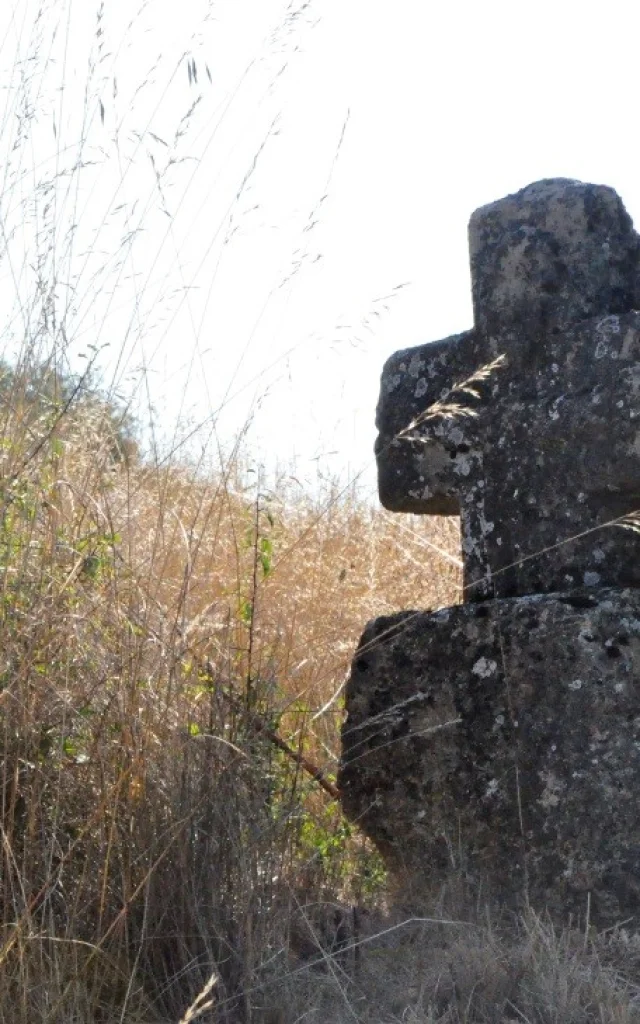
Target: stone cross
[529, 424]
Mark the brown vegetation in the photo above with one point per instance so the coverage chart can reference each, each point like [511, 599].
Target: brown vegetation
[153, 832]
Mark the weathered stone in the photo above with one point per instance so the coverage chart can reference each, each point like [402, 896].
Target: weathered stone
[549, 446]
[501, 740]
[556, 252]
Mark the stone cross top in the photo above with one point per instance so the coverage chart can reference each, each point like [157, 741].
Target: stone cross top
[529, 424]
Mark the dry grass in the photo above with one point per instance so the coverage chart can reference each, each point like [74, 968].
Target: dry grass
[149, 615]
[424, 971]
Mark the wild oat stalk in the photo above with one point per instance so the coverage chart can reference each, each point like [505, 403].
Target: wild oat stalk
[448, 408]
[630, 521]
[201, 1003]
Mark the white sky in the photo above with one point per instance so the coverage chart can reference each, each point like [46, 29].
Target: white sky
[450, 105]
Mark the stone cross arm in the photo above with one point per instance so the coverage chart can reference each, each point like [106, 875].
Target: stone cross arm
[529, 425]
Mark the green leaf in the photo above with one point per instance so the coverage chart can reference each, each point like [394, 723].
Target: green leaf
[266, 555]
[246, 612]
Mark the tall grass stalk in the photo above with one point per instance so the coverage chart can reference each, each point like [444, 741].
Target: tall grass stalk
[174, 632]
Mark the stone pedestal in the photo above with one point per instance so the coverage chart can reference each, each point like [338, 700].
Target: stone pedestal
[502, 740]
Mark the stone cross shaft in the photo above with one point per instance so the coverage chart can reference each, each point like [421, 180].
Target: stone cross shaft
[529, 424]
